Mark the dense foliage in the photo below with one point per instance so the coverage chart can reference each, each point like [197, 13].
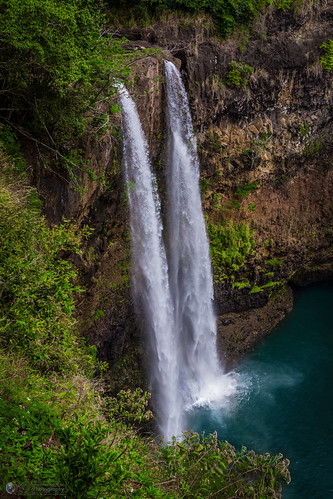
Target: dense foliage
[229, 246]
[37, 286]
[238, 74]
[54, 434]
[56, 61]
[58, 433]
[207, 468]
[227, 14]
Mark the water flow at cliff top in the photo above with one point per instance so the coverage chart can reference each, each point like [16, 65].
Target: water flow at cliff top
[149, 270]
[201, 377]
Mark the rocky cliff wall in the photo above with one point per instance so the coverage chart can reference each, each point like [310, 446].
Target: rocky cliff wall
[274, 134]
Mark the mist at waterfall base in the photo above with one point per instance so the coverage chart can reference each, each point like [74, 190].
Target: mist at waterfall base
[279, 399]
[173, 290]
[285, 401]
[200, 378]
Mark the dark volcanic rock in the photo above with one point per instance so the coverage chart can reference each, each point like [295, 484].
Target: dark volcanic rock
[277, 130]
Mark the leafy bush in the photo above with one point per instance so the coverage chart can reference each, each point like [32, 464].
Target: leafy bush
[205, 467]
[131, 406]
[41, 447]
[284, 4]
[327, 57]
[238, 74]
[56, 60]
[227, 14]
[229, 246]
[11, 146]
[275, 262]
[205, 185]
[241, 284]
[245, 190]
[37, 285]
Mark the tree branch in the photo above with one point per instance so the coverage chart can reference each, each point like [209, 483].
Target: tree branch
[26, 134]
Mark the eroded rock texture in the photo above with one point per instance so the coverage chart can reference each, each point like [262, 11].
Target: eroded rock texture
[276, 131]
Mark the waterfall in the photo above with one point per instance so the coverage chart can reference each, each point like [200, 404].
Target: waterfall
[191, 280]
[174, 295]
[150, 271]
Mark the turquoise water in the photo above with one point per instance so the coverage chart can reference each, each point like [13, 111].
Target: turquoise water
[285, 399]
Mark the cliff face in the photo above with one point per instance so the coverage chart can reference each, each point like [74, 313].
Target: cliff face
[266, 159]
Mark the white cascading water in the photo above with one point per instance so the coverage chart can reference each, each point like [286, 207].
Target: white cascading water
[149, 270]
[176, 304]
[190, 274]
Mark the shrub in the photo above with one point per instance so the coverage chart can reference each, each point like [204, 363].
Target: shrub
[37, 285]
[40, 448]
[230, 244]
[205, 467]
[327, 57]
[11, 146]
[56, 61]
[131, 406]
[238, 74]
[245, 190]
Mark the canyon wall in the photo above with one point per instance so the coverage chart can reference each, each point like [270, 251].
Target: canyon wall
[266, 158]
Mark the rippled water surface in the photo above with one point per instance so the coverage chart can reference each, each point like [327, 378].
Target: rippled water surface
[285, 398]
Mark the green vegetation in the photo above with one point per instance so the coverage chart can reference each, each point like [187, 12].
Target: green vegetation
[327, 57]
[205, 467]
[304, 129]
[227, 14]
[216, 201]
[284, 4]
[37, 287]
[241, 284]
[60, 67]
[245, 190]
[11, 146]
[238, 74]
[275, 262]
[56, 61]
[205, 185]
[312, 147]
[230, 244]
[214, 141]
[268, 285]
[57, 428]
[258, 146]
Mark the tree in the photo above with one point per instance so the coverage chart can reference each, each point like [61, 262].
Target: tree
[55, 60]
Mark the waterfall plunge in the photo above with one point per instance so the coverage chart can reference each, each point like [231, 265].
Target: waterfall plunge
[149, 268]
[191, 280]
[177, 304]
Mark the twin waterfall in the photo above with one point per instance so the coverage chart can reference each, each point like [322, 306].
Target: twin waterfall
[172, 283]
